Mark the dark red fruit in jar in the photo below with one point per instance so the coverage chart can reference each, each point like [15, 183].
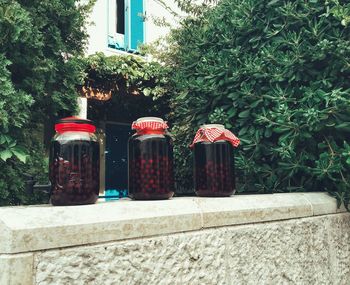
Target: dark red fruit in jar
[214, 169]
[74, 163]
[77, 182]
[150, 159]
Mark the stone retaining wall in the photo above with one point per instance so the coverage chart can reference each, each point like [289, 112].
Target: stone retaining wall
[299, 238]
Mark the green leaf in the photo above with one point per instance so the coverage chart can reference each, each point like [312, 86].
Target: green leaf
[146, 91]
[348, 161]
[8, 139]
[2, 139]
[12, 144]
[6, 154]
[244, 114]
[243, 131]
[285, 136]
[232, 112]
[22, 156]
[5, 139]
[267, 133]
[272, 2]
[343, 126]
[233, 96]
[280, 130]
[256, 103]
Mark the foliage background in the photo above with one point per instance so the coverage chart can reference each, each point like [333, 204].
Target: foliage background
[277, 74]
[136, 85]
[38, 81]
[42, 69]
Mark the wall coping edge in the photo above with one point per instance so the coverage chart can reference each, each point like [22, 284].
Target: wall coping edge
[41, 227]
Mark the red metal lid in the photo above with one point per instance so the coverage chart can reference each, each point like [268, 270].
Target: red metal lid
[74, 124]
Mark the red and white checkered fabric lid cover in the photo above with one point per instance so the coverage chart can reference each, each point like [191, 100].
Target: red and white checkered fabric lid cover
[149, 125]
[213, 134]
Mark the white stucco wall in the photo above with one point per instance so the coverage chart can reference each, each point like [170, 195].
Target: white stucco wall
[154, 10]
[97, 30]
[102, 23]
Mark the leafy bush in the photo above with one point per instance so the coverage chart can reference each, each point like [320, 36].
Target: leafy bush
[38, 81]
[133, 83]
[276, 73]
[123, 74]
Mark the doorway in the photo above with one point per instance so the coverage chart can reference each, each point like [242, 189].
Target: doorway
[117, 136]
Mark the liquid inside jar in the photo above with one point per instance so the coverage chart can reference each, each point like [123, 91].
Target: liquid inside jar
[214, 169]
[74, 172]
[151, 167]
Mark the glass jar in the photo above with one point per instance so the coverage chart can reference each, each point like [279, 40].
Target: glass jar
[214, 161]
[150, 159]
[74, 163]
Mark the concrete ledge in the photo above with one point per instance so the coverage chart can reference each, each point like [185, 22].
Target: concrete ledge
[33, 228]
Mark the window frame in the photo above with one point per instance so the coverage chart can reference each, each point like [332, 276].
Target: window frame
[112, 34]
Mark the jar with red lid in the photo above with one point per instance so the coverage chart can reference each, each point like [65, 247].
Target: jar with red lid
[150, 159]
[213, 148]
[74, 163]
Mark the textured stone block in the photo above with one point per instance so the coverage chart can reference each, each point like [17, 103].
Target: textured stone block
[338, 228]
[189, 258]
[300, 251]
[290, 252]
[16, 269]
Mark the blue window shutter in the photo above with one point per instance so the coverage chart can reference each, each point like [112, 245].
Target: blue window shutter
[134, 23]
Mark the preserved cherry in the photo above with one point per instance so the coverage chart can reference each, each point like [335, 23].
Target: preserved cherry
[74, 163]
[214, 161]
[214, 169]
[150, 158]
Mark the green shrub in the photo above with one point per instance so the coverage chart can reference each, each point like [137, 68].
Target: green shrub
[38, 81]
[123, 74]
[138, 87]
[276, 73]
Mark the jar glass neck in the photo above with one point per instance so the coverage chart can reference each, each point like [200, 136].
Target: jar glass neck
[74, 131]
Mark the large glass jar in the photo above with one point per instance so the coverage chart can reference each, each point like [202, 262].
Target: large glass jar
[150, 159]
[214, 161]
[74, 163]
